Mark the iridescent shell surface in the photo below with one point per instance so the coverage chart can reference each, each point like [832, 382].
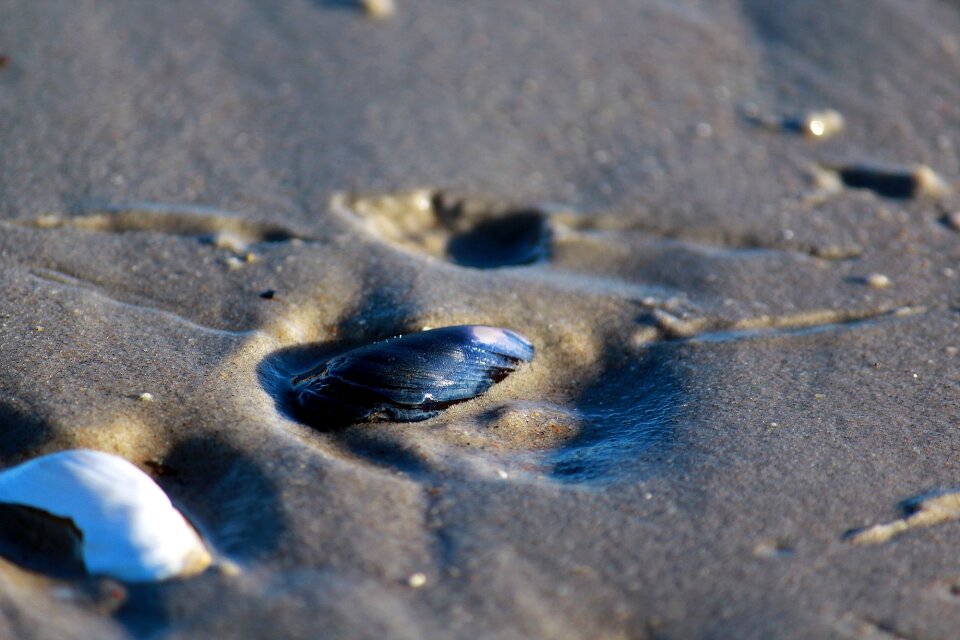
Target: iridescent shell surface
[409, 378]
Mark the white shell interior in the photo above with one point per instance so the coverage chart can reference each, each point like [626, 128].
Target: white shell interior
[130, 529]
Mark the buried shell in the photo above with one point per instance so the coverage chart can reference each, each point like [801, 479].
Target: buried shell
[129, 528]
[409, 378]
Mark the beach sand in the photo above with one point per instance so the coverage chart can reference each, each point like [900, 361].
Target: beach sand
[747, 337]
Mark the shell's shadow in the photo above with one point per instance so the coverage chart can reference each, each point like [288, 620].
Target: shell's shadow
[22, 433]
[277, 370]
[232, 502]
[629, 418]
[226, 494]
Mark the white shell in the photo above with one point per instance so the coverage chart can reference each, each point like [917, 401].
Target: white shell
[130, 529]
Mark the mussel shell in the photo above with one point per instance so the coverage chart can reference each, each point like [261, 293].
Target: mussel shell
[409, 378]
[128, 526]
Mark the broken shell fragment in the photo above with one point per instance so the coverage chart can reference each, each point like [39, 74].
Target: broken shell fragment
[816, 125]
[409, 378]
[129, 529]
[891, 181]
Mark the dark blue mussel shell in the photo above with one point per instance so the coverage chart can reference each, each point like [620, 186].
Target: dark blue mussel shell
[409, 378]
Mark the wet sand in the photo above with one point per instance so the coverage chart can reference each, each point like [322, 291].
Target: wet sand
[746, 335]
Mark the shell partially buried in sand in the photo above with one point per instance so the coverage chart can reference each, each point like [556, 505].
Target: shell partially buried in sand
[129, 528]
[409, 378]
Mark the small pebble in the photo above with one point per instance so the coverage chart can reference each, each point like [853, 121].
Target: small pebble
[417, 580]
[878, 281]
[268, 294]
[704, 130]
[817, 125]
[837, 251]
[146, 397]
[379, 9]
[903, 312]
[823, 124]
[929, 183]
[772, 549]
[230, 241]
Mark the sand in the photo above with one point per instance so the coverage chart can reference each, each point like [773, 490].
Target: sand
[199, 199]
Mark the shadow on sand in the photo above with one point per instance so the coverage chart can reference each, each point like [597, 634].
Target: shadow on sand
[629, 413]
[233, 504]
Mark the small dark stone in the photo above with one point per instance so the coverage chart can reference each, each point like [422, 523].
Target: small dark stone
[268, 294]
